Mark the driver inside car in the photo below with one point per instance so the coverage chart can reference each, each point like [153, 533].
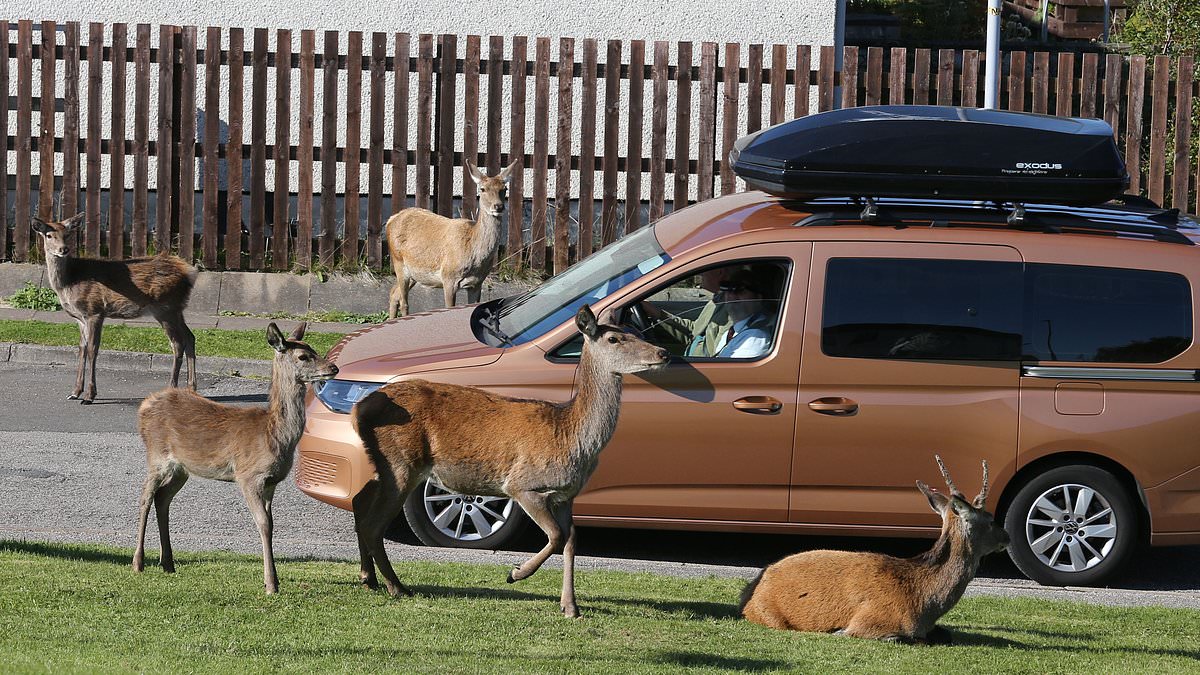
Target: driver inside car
[703, 334]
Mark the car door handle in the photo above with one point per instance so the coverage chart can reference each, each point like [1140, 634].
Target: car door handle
[758, 405]
[834, 405]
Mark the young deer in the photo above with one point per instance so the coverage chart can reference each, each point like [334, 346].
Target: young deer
[447, 253]
[871, 595]
[539, 453]
[93, 290]
[187, 434]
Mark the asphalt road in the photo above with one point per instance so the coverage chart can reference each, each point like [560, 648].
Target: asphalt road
[73, 473]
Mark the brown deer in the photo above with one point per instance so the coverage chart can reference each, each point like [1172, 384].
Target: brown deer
[871, 595]
[187, 434]
[539, 453]
[92, 290]
[447, 253]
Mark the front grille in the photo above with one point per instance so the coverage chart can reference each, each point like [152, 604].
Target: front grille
[319, 475]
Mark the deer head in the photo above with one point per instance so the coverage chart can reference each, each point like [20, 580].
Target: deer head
[493, 190]
[297, 357]
[616, 350]
[976, 526]
[54, 235]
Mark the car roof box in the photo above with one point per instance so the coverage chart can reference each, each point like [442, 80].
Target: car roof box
[935, 151]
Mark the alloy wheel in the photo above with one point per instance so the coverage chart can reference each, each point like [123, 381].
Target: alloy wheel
[1071, 527]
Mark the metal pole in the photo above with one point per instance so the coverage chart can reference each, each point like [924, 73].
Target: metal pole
[1107, 18]
[992, 69]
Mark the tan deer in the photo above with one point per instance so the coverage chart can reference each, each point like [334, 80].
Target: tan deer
[92, 290]
[871, 595]
[539, 453]
[186, 434]
[447, 253]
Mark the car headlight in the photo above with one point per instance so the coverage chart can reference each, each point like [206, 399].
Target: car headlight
[341, 395]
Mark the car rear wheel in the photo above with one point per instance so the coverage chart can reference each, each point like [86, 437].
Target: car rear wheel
[439, 517]
[1072, 526]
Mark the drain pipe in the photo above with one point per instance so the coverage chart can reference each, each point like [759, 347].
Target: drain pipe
[992, 64]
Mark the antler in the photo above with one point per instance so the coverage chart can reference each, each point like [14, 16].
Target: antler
[981, 498]
[946, 476]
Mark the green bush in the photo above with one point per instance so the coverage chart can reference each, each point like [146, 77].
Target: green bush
[35, 297]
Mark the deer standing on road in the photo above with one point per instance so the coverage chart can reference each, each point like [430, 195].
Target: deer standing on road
[539, 453]
[871, 595]
[187, 434]
[447, 253]
[92, 290]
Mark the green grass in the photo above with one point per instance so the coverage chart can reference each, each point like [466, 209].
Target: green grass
[80, 609]
[245, 344]
[328, 316]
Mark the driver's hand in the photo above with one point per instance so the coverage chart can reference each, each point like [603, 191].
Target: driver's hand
[650, 310]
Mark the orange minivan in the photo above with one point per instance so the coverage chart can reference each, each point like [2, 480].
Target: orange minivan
[1057, 345]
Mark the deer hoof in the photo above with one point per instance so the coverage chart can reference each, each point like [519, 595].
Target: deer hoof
[369, 583]
[511, 579]
[86, 401]
[272, 590]
[570, 611]
[72, 397]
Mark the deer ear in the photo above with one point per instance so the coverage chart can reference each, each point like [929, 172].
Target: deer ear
[274, 337]
[74, 221]
[298, 334]
[960, 506]
[475, 174]
[40, 226]
[506, 172]
[586, 321]
[937, 500]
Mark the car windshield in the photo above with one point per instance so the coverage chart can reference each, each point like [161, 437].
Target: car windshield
[522, 318]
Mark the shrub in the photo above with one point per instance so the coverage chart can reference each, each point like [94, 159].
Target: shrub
[37, 298]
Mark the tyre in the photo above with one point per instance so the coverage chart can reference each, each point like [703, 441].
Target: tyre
[439, 517]
[1072, 526]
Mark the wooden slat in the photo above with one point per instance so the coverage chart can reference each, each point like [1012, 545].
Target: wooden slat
[1064, 90]
[1133, 122]
[707, 130]
[850, 77]
[70, 177]
[423, 187]
[1087, 85]
[374, 247]
[897, 75]
[612, 108]
[495, 109]
[779, 73]
[729, 114]
[187, 142]
[470, 124]
[541, 150]
[281, 222]
[303, 247]
[826, 79]
[141, 142]
[447, 105]
[116, 184]
[945, 77]
[562, 157]
[95, 57]
[1016, 81]
[754, 86]
[683, 122]
[1041, 83]
[803, 79]
[1113, 72]
[24, 154]
[633, 156]
[233, 150]
[46, 105]
[1156, 179]
[516, 184]
[210, 144]
[351, 158]
[256, 246]
[1185, 74]
[658, 130]
[970, 79]
[329, 122]
[921, 76]
[587, 149]
[874, 93]
[164, 193]
[400, 123]
[4, 166]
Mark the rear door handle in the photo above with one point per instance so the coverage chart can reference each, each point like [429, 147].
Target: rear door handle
[834, 405]
[758, 405]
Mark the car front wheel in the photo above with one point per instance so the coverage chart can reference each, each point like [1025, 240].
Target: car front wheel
[1072, 526]
[439, 517]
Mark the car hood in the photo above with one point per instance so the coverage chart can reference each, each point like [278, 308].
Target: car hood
[435, 340]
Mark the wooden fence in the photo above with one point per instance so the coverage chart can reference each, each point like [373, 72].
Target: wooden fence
[592, 99]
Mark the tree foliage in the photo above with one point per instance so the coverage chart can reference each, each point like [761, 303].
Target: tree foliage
[1170, 27]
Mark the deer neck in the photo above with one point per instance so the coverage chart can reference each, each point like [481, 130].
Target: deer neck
[285, 410]
[485, 237]
[951, 563]
[591, 416]
[57, 271]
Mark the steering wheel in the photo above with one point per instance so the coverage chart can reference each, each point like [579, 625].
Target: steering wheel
[635, 320]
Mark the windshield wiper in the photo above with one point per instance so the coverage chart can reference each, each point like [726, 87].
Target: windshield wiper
[491, 323]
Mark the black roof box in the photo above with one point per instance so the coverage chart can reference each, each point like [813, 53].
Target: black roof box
[935, 151]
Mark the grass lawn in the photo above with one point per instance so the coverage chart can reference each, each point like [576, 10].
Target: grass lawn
[244, 344]
[81, 609]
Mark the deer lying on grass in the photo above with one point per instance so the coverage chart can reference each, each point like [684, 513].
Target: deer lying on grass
[447, 253]
[539, 453]
[871, 595]
[92, 290]
[187, 434]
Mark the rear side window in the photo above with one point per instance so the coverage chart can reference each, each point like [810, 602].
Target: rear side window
[1106, 315]
[888, 308]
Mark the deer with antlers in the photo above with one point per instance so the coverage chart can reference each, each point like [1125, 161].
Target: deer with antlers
[871, 595]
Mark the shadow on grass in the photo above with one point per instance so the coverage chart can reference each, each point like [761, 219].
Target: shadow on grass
[964, 638]
[700, 660]
[66, 552]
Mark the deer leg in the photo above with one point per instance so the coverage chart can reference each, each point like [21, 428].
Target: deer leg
[364, 501]
[183, 343]
[258, 497]
[153, 481]
[449, 290]
[83, 341]
[95, 327]
[536, 507]
[473, 293]
[565, 522]
[162, 513]
[397, 303]
[386, 505]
